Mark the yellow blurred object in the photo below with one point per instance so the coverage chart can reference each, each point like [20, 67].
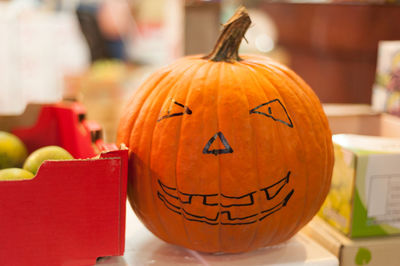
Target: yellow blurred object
[12, 150]
[336, 208]
[13, 174]
[36, 158]
[107, 70]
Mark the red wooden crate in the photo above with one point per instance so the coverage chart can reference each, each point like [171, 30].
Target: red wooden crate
[73, 211]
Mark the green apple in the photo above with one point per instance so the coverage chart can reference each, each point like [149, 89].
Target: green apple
[12, 151]
[11, 174]
[36, 158]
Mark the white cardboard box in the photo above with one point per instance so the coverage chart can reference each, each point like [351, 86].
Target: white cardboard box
[363, 198]
[376, 251]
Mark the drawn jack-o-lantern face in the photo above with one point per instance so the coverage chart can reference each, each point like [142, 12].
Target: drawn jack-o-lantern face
[228, 165]
[218, 206]
[226, 155]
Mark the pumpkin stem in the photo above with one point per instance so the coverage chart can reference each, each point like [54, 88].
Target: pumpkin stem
[227, 46]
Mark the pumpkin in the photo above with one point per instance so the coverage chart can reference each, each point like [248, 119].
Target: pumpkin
[227, 153]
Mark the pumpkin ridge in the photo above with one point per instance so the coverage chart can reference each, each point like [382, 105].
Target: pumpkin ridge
[252, 72]
[212, 69]
[258, 170]
[150, 176]
[307, 178]
[307, 175]
[226, 77]
[254, 147]
[255, 81]
[188, 91]
[165, 73]
[219, 160]
[159, 91]
[218, 68]
[156, 90]
[307, 217]
[325, 125]
[153, 89]
[310, 102]
[132, 116]
[323, 119]
[277, 79]
[129, 137]
[175, 87]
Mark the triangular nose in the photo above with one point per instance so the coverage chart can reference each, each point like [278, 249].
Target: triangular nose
[223, 140]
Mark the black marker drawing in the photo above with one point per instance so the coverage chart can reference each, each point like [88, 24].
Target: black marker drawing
[279, 185]
[228, 148]
[276, 111]
[249, 200]
[276, 208]
[186, 110]
[179, 203]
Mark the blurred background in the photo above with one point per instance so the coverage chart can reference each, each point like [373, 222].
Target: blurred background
[99, 51]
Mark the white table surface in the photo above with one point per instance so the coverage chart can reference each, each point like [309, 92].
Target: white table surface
[143, 248]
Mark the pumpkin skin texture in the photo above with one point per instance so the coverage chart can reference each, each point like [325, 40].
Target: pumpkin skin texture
[226, 156]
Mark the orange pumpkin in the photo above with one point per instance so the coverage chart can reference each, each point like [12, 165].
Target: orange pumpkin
[227, 153]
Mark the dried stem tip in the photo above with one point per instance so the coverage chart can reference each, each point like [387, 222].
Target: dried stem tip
[227, 47]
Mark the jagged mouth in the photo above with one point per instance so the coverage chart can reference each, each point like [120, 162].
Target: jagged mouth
[222, 205]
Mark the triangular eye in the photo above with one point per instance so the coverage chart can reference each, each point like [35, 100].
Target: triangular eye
[175, 109]
[223, 141]
[273, 109]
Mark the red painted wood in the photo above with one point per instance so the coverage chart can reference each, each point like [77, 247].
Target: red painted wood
[72, 211]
